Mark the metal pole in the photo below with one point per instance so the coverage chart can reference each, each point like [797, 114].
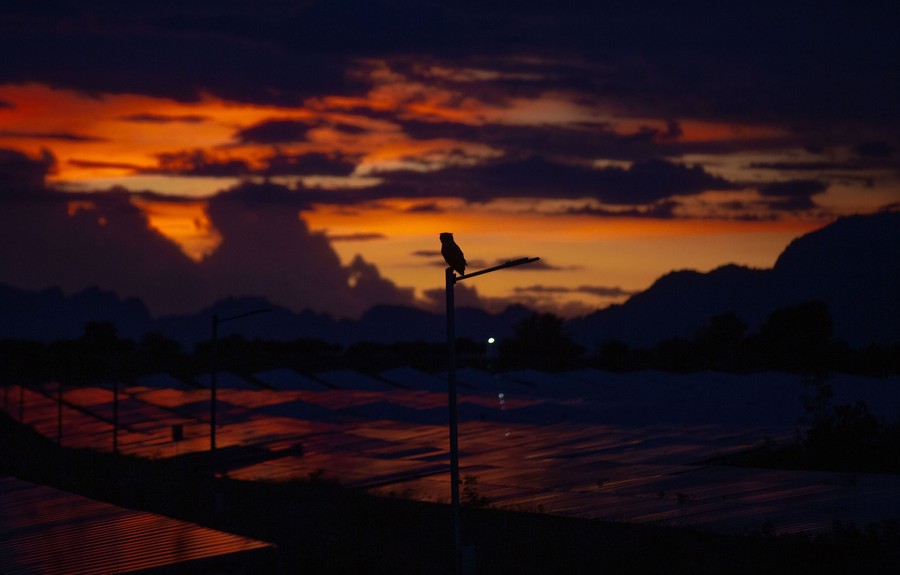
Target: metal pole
[213, 368]
[59, 398]
[451, 280]
[212, 391]
[116, 416]
[454, 422]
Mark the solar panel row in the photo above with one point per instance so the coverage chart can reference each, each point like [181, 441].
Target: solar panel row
[585, 443]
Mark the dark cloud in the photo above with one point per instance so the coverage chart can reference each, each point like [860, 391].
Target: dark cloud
[368, 286]
[600, 291]
[662, 210]
[542, 289]
[275, 132]
[66, 136]
[578, 141]
[713, 61]
[606, 291]
[199, 163]
[105, 165]
[464, 295]
[148, 118]
[349, 129]
[267, 249]
[643, 183]
[673, 131]
[19, 171]
[791, 204]
[425, 208]
[170, 49]
[360, 237]
[793, 188]
[266, 244]
[252, 197]
[310, 164]
[817, 149]
[793, 195]
[805, 166]
[874, 149]
[540, 265]
[6, 105]
[104, 241]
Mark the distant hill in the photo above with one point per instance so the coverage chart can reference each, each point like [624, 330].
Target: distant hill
[50, 315]
[853, 265]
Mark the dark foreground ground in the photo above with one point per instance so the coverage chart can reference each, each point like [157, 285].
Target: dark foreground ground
[322, 527]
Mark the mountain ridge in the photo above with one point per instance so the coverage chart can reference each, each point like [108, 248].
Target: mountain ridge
[852, 264]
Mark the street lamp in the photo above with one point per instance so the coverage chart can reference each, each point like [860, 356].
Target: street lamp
[216, 320]
[490, 353]
[451, 279]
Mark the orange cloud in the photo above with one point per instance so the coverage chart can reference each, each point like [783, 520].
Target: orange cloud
[185, 223]
[114, 135]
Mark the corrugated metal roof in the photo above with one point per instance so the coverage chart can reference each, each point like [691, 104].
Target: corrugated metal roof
[45, 531]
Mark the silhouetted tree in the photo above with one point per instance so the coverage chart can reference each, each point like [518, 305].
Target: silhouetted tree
[844, 438]
[97, 356]
[157, 353]
[615, 355]
[307, 354]
[676, 354]
[872, 360]
[719, 344]
[797, 338]
[22, 362]
[539, 341]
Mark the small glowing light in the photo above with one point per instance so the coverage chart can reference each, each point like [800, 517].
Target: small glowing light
[491, 340]
[501, 396]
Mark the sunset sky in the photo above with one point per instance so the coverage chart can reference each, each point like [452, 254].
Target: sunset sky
[311, 152]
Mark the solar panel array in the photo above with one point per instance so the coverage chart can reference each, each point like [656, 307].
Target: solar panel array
[45, 531]
[582, 443]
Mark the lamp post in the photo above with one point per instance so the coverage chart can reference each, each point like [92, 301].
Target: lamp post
[59, 402]
[116, 415]
[451, 280]
[490, 352]
[216, 320]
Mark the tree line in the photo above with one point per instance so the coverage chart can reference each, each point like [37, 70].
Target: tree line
[796, 339]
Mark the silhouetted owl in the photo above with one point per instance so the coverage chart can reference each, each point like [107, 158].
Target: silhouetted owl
[452, 254]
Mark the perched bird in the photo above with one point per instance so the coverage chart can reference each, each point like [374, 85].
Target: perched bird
[452, 254]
